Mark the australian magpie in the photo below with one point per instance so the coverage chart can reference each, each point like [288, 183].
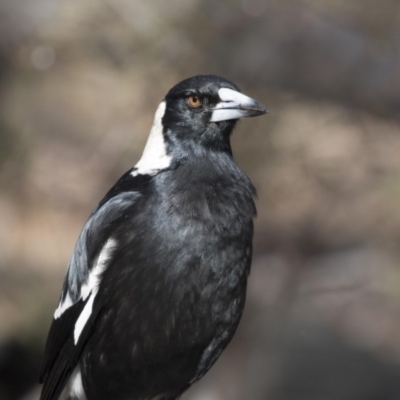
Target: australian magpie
[156, 284]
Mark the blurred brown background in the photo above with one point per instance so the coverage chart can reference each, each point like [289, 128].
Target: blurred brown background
[79, 83]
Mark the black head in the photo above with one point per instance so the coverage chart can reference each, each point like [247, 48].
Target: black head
[201, 112]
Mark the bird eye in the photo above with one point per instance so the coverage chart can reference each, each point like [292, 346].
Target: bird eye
[194, 101]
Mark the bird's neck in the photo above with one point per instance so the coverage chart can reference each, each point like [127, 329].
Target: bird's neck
[211, 167]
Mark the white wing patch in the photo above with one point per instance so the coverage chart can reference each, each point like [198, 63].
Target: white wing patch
[74, 388]
[95, 273]
[155, 157]
[92, 282]
[92, 286]
[67, 303]
[83, 318]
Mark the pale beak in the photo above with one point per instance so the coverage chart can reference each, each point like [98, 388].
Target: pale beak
[235, 105]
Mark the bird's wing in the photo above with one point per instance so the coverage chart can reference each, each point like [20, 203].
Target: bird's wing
[77, 312]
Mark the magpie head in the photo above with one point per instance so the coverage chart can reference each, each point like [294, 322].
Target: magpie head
[201, 112]
[196, 116]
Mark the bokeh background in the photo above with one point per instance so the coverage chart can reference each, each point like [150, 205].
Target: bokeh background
[79, 83]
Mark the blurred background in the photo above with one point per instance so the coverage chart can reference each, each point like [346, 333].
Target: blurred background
[79, 84]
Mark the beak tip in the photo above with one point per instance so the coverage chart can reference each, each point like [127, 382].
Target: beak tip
[256, 110]
[263, 109]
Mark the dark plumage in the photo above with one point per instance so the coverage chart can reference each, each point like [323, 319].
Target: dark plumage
[157, 281]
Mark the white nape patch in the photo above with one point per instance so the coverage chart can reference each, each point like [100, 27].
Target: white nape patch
[92, 286]
[74, 388]
[64, 305]
[154, 157]
[228, 108]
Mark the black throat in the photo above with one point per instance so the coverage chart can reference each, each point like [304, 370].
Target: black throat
[208, 186]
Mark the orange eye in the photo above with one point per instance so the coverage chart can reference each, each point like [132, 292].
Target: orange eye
[194, 101]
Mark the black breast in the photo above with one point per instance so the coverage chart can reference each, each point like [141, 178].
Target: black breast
[176, 287]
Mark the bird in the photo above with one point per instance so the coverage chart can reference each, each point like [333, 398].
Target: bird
[156, 284]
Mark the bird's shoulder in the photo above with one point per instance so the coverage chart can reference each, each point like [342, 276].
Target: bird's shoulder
[129, 182]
